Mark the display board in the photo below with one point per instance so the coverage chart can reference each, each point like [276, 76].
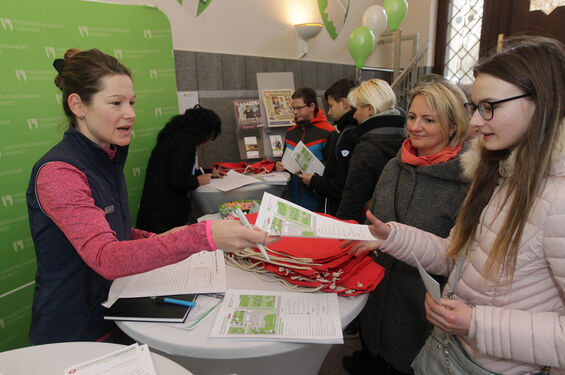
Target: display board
[32, 34]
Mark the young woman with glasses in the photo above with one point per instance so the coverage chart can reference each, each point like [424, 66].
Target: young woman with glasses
[508, 306]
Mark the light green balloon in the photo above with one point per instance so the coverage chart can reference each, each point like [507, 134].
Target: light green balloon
[361, 44]
[395, 11]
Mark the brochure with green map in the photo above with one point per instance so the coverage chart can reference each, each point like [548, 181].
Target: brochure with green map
[278, 316]
[280, 217]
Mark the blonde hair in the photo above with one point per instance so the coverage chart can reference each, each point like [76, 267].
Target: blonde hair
[536, 65]
[374, 92]
[447, 101]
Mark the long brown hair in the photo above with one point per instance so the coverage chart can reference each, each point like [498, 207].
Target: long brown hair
[537, 66]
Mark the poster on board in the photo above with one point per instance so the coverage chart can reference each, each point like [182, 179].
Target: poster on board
[278, 105]
[248, 113]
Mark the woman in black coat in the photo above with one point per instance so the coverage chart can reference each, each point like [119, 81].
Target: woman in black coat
[171, 171]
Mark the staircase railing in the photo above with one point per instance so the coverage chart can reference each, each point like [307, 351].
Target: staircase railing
[406, 80]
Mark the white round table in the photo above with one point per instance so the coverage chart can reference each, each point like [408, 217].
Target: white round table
[54, 359]
[209, 199]
[192, 349]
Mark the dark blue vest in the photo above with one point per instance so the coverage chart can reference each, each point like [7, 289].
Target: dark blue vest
[68, 293]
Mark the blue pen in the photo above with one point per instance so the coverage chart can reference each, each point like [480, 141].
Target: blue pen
[174, 301]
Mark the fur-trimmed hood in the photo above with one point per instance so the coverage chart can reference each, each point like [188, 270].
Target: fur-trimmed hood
[470, 159]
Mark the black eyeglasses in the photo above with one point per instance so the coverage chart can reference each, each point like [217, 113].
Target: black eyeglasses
[486, 108]
[298, 107]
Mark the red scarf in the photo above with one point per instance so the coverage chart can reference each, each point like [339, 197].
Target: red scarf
[409, 155]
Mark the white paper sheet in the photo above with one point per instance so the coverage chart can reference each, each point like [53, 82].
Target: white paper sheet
[131, 360]
[203, 272]
[278, 316]
[281, 217]
[232, 180]
[307, 161]
[432, 286]
[205, 304]
[288, 161]
[186, 100]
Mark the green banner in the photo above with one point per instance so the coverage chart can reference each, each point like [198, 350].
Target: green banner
[32, 34]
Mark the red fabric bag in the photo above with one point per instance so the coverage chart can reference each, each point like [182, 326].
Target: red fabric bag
[316, 263]
[263, 166]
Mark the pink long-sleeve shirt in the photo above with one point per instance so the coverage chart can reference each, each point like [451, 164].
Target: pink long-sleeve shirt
[65, 196]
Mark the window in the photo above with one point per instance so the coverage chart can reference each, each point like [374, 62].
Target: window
[464, 20]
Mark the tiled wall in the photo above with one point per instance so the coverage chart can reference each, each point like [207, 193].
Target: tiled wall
[221, 78]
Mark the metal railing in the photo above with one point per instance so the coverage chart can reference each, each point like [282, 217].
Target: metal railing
[403, 79]
[406, 80]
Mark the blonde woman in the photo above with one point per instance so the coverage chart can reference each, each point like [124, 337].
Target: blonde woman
[422, 187]
[380, 134]
[505, 256]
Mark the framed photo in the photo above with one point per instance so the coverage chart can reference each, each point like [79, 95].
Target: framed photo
[248, 113]
[277, 104]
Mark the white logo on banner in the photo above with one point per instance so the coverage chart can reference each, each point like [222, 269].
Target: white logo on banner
[153, 73]
[18, 245]
[50, 52]
[21, 75]
[158, 111]
[147, 34]
[137, 171]
[7, 200]
[7, 24]
[32, 123]
[83, 30]
[118, 54]
[59, 98]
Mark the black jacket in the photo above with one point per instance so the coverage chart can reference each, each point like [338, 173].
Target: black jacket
[170, 176]
[339, 149]
[380, 138]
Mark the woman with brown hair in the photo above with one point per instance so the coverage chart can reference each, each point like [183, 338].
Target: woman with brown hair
[78, 208]
[505, 256]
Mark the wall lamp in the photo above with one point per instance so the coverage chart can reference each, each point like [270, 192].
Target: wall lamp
[305, 32]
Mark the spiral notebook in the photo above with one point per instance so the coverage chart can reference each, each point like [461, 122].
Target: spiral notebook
[145, 309]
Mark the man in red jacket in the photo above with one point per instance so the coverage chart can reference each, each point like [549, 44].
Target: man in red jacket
[313, 129]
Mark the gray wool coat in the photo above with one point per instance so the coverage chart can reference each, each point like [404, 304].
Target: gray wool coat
[393, 323]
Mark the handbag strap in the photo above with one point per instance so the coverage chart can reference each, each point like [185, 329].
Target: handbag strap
[457, 274]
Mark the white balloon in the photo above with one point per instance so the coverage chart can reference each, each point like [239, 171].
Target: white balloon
[375, 19]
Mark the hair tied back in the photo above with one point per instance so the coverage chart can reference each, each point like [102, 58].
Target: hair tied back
[59, 64]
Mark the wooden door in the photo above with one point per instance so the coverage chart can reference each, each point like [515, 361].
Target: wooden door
[513, 17]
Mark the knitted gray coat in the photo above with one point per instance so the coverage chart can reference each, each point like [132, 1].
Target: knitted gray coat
[393, 323]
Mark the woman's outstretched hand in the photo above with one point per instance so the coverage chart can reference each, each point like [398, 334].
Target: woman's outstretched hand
[378, 229]
[452, 316]
[231, 235]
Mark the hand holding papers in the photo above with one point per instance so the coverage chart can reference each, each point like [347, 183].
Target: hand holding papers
[245, 222]
[283, 218]
[301, 159]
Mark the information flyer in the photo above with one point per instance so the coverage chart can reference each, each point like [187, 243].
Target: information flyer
[278, 316]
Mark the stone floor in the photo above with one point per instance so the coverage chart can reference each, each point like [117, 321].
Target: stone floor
[332, 363]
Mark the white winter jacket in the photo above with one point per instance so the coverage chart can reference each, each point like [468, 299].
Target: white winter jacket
[514, 329]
